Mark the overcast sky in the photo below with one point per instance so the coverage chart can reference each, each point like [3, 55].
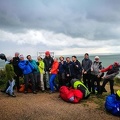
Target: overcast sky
[62, 26]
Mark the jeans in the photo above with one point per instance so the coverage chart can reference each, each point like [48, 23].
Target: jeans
[52, 82]
[10, 88]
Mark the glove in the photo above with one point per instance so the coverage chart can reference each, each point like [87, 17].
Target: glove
[26, 62]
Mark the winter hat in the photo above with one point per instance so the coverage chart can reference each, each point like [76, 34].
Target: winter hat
[96, 57]
[21, 56]
[47, 53]
[116, 63]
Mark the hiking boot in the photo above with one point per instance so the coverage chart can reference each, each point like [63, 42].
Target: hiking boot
[50, 92]
[13, 95]
[25, 92]
[3, 91]
[34, 92]
[43, 91]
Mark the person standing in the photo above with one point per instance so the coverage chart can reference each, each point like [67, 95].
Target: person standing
[27, 69]
[53, 72]
[77, 68]
[96, 66]
[112, 71]
[41, 67]
[86, 71]
[35, 72]
[17, 70]
[61, 71]
[69, 71]
[10, 77]
[48, 61]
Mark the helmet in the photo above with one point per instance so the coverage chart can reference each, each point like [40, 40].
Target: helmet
[118, 95]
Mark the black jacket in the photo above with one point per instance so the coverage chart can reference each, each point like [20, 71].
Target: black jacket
[17, 69]
[48, 61]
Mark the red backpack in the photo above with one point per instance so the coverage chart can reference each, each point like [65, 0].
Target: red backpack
[70, 95]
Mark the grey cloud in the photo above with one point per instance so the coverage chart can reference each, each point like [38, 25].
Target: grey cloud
[91, 20]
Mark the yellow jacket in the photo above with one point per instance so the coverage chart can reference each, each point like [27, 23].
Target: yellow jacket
[41, 66]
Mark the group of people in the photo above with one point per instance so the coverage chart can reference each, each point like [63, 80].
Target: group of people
[33, 72]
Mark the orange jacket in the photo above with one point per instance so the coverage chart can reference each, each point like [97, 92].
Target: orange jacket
[54, 69]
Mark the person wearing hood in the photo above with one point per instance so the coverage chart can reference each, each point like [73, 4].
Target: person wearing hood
[48, 61]
[10, 74]
[54, 72]
[86, 71]
[112, 71]
[96, 66]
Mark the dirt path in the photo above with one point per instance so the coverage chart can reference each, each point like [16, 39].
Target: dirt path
[45, 106]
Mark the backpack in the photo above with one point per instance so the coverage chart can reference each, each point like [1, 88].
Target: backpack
[70, 95]
[112, 105]
[78, 85]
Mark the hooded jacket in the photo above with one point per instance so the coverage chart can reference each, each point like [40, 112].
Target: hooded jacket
[9, 71]
[26, 67]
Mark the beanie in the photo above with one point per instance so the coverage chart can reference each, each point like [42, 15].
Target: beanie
[47, 53]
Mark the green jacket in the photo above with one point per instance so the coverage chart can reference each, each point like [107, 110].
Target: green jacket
[9, 71]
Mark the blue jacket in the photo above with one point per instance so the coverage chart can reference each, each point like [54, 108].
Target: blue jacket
[26, 67]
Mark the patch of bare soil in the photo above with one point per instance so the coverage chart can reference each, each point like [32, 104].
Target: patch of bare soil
[45, 106]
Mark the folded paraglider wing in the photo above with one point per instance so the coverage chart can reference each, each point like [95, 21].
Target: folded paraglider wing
[2, 56]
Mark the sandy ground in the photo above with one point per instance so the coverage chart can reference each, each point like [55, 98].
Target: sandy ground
[45, 106]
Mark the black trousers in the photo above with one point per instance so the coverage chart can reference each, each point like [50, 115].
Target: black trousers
[29, 78]
[61, 79]
[87, 81]
[17, 84]
[94, 79]
[111, 81]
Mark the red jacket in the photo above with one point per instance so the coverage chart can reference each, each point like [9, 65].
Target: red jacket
[107, 69]
[54, 69]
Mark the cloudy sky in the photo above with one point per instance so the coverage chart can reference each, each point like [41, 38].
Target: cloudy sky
[62, 26]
